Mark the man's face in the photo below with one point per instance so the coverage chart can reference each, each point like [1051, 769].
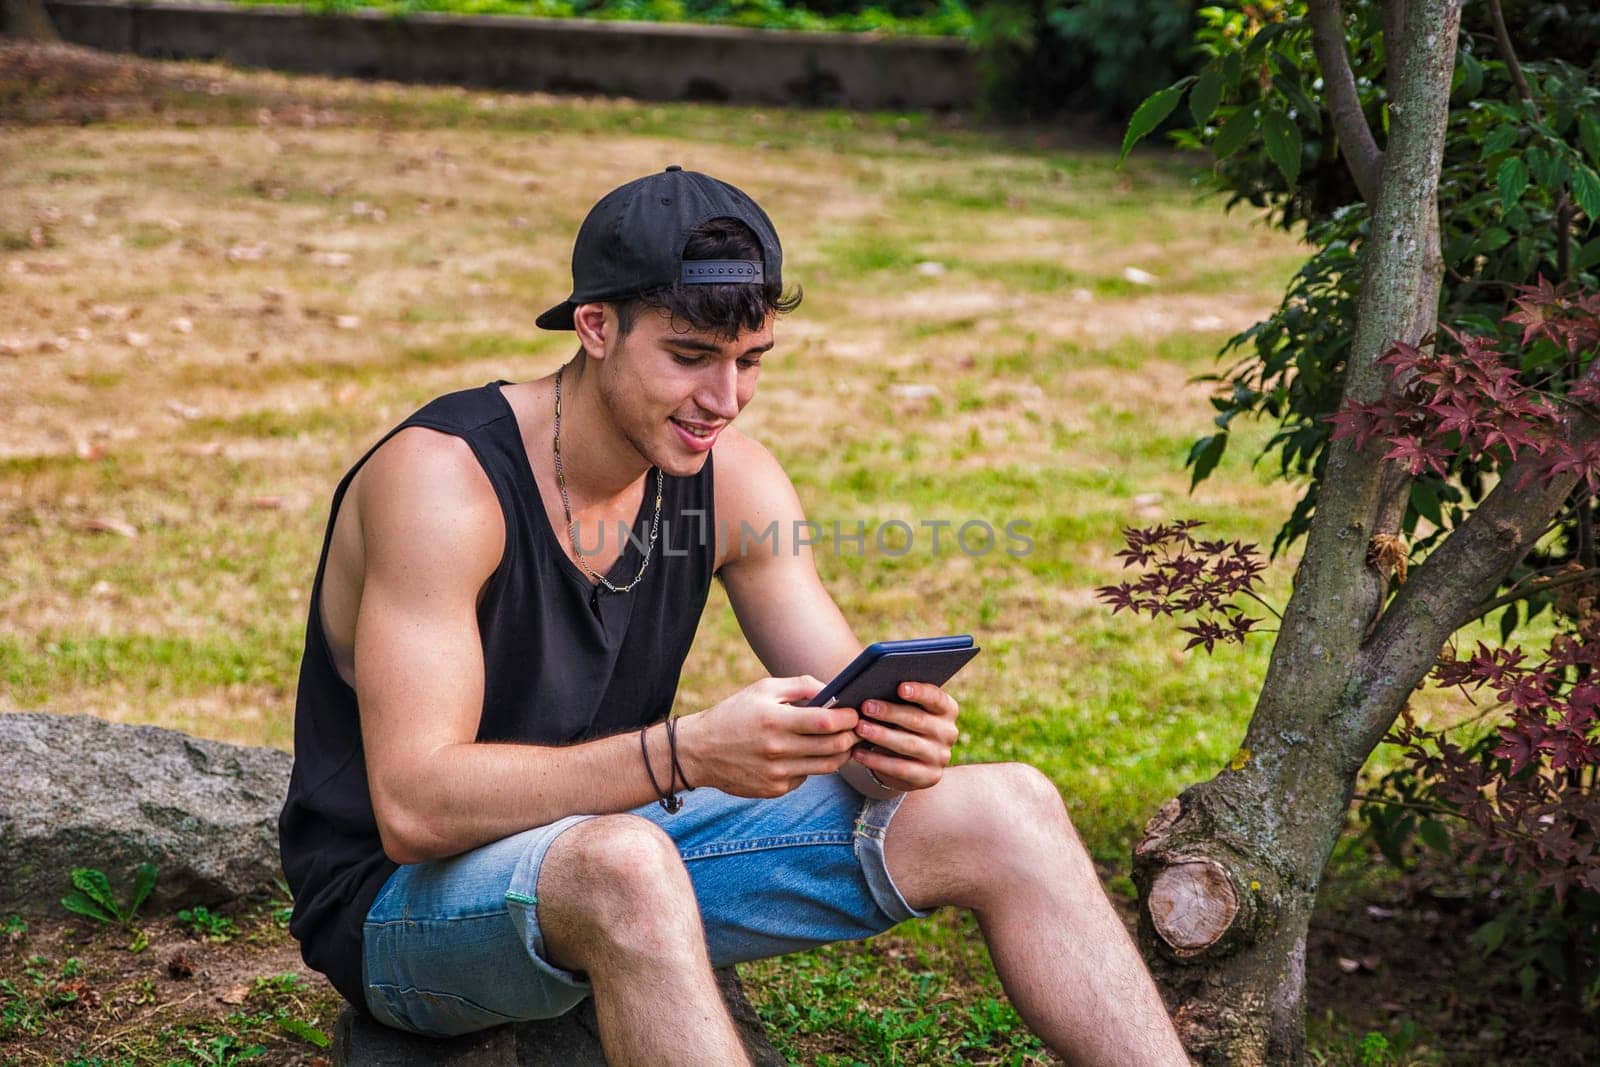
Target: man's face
[671, 391]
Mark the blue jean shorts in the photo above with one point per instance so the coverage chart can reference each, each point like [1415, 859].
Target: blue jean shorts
[454, 945]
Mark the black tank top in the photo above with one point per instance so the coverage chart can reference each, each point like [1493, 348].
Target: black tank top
[564, 661]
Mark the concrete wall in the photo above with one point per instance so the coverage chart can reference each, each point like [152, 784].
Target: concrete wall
[657, 61]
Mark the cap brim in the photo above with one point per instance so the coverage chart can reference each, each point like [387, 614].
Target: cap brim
[557, 318]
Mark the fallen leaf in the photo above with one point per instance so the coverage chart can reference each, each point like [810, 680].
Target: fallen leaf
[182, 325]
[1137, 276]
[135, 339]
[112, 526]
[235, 996]
[89, 451]
[266, 502]
[1348, 965]
[1376, 912]
[348, 322]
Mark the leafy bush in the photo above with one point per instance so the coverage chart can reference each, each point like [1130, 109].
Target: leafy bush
[930, 17]
[1046, 57]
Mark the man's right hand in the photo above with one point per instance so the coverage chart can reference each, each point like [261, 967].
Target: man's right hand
[759, 743]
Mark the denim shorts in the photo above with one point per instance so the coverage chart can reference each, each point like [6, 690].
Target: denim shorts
[454, 945]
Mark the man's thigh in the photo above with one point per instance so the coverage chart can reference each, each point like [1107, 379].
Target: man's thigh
[455, 945]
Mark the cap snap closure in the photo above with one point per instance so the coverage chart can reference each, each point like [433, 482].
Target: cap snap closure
[673, 166]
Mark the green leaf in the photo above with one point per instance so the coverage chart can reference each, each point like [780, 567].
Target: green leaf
[1491, 239]
[1587, 256]
[1471, 75]
[140, 942]
[97, 887]
[144, 880]
[1500, 140]
[1283, 143]
[1266, 36]
[1232, 68]
[1204, 456]
[1233, 134]
[1434, 835]
[82, 905]
[1586, 191]
[1150, 114]
[1425, 501]
[1508, 623]
[1491, 935]
[1589, 134]
[1513, 179]
[305, 1032]
[1548, 169]
[1205, 96]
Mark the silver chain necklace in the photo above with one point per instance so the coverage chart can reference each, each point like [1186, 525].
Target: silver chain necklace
[572, 527]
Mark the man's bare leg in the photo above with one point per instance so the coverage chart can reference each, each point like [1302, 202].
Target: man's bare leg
[996, 838]
[615, 902]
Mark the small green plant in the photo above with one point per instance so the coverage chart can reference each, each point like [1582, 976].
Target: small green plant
[224, 1050]
[207, 924]
[1374, 1050]
[278, 985]
[91, 897]
[13, 928]
[283, 907]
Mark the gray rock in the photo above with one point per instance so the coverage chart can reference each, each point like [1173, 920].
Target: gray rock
[83, 792]
[571, 1041]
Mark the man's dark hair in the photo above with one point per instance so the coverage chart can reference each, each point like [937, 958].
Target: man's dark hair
[720, 309]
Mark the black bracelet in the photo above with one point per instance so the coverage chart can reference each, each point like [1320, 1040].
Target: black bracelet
[672, 749]
[668, 801]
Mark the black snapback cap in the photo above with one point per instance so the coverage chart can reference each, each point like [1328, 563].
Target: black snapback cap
[632, 241]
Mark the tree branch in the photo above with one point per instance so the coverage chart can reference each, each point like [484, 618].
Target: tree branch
[1509, 54]
[1449, 589]
[1546, 586]
[1356, 142]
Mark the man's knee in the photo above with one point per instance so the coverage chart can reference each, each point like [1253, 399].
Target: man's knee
[616, 884]
[987, 825]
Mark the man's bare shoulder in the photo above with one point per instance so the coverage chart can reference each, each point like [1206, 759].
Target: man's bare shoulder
[754, 496]
[750, 482]
[423, 494]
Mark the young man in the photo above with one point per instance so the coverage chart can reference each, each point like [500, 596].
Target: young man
[477, 828]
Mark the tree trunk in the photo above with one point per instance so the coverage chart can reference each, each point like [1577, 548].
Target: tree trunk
[1228, 872]
[27, 19]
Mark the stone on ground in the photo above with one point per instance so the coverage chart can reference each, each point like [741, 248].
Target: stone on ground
[83, 792]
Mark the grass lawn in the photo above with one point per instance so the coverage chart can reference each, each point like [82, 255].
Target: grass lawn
[216, 289]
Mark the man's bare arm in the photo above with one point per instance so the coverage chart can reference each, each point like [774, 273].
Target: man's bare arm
[432, 533]
[793, 624]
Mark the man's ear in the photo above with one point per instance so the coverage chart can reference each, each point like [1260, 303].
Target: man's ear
[595, 324]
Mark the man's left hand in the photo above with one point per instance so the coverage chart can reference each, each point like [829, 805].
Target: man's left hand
[915, 737]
